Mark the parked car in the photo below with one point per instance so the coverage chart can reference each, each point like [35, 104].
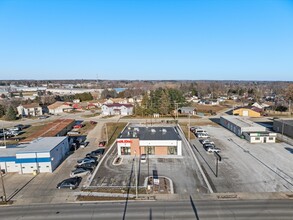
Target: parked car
[198, 130]
[96, 152]
[80, 172]
[202, 135]
[207, 141]
[102, 143]
[86, 165]
[14, 129]
[73, 132]
[86, 160]
[78, 126]
[143, 158]
[83, 144]
[213, 149]
[208, 145]
[71, 183]
[20, 126]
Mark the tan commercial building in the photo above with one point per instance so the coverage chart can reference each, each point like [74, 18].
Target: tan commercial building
[152, 140]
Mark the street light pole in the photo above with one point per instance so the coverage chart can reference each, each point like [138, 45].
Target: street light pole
[282, 127]
[107, 132]
[3, 187]
[188, 127]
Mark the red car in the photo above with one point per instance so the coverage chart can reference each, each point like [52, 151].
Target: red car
[102, 143]
[77, 126]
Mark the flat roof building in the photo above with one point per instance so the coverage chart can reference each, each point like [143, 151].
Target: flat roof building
[151, 140]
[42, 155]
[284, 126]
[252, 132]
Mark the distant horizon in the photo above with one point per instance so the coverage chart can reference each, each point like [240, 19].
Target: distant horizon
[146, 80]
[147, 40]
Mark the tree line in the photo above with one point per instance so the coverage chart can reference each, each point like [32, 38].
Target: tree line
[160, 101]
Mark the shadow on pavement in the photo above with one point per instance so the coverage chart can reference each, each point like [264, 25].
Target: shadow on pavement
[128, 190]
[194, 208]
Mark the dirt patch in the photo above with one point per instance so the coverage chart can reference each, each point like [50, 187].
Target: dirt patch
[162, 187]
[123, 190]
[86, 128]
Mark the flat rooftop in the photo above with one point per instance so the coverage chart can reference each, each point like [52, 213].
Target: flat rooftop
[50, 130]
[286, 121]
[241, 122]
[45, 144]
[10, 150]
[150, 133]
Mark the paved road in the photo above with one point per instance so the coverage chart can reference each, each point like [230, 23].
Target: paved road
[189, 209]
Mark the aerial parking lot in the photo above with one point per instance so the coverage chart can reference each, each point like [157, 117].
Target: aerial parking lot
[182, 170]
[246, 167]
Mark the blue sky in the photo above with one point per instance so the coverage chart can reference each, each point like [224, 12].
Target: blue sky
[151, 39]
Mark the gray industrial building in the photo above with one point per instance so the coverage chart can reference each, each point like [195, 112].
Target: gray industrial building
[284, 126]
[252, 132]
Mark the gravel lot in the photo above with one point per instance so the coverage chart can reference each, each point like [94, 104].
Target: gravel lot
[246, 167]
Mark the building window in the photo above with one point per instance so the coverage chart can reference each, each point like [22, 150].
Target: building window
[172, 150]
[271, 138]
[149, 150]
[125, 151]
[257, 138]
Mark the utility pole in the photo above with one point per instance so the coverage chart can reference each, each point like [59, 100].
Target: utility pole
[189, 127]
[282, 127]
[4, 137]
[3, 186]
[107, 132]
[135, 170]
[289, 106]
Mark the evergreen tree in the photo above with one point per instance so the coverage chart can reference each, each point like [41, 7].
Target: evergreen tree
[165, 103]
[10, 114]
[2, 111]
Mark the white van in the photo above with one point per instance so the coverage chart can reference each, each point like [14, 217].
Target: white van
[199, 130]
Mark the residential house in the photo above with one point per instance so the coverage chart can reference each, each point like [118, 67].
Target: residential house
[59, 107]
[117, 109]
[187, 110]
[248, 111]
[33, 109]
[208, 102]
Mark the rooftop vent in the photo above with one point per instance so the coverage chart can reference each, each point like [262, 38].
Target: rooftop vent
[153, 130]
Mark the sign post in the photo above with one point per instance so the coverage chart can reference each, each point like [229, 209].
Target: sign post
[3, 187]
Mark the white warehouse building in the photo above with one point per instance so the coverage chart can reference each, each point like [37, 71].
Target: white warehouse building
[252, 132]
[43, 155]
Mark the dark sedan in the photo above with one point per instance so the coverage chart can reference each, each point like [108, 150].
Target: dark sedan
[96, 153]
[71, 183]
